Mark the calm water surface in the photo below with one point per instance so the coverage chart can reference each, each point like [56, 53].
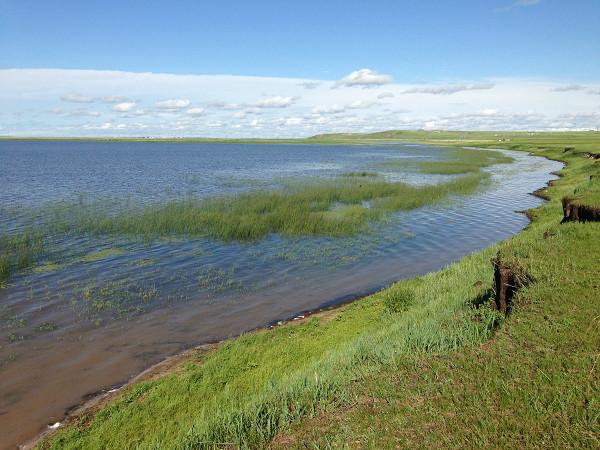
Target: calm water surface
[92, 321]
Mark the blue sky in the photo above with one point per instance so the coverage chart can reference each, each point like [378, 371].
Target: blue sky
[429, 47]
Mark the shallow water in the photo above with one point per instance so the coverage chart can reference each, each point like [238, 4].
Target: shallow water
[95, 321]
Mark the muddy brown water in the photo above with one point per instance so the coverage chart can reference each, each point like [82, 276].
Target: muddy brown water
[55, 350]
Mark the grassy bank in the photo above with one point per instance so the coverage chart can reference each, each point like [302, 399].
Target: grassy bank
[412, 365]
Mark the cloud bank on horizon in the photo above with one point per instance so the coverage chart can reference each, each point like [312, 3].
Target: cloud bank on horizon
[61, 102]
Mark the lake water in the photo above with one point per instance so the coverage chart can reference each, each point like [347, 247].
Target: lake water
[57, 343]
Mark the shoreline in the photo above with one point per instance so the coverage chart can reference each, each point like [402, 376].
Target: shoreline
[94, 401]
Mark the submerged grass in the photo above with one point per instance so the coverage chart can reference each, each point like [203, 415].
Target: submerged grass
[332, 208]
[19, 251]
[408, 366]
[102, 254]
[464, 161]
[456, 161]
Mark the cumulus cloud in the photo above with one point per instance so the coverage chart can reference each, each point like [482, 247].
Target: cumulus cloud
[124, 107]
[328, 109]
[195, 111]
[29, 111]
[364, 78]
[291, 121]
[173, 104]
[81, 112]
[337, 109]
[76, 98]
[489, 112]
[115, 99]
[448, 89]
[275, 102]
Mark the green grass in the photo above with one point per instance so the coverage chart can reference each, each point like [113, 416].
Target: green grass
[588, 193]
[47, 267]
[244, 391]
[102, 254]
[410, 366]
[332, 208]
[19, 251]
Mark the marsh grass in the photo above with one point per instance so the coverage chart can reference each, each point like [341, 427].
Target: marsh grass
[338, 207]
[19, 251]
[297, 210]
[102, 254]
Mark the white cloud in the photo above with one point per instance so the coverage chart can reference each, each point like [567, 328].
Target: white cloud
[76, 98]
[495, 103]
[124, 107]
[360, 104]
[115, 99]
[364, 78]
[293, 121]
[81, 112]
[331, 109]
[448, 89]
[337, 109]
[195, 111]
[275, 102]
[173, 104]
[489, 112]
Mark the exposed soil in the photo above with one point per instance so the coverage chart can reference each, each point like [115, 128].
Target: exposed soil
[575, 211]
[508, 279]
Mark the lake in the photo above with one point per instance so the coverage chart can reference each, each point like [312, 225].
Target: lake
[97, 309]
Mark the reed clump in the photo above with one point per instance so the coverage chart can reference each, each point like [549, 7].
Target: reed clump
[332, 208]
[19, 251]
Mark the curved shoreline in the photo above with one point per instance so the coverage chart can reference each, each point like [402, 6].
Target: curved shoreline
[168, 365]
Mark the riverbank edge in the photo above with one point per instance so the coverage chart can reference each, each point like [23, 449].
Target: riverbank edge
[95, 402]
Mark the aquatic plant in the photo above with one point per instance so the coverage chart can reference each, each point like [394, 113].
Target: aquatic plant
[333, 208]
[19, 251]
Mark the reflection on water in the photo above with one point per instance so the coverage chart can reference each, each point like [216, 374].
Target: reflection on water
[105, 308]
